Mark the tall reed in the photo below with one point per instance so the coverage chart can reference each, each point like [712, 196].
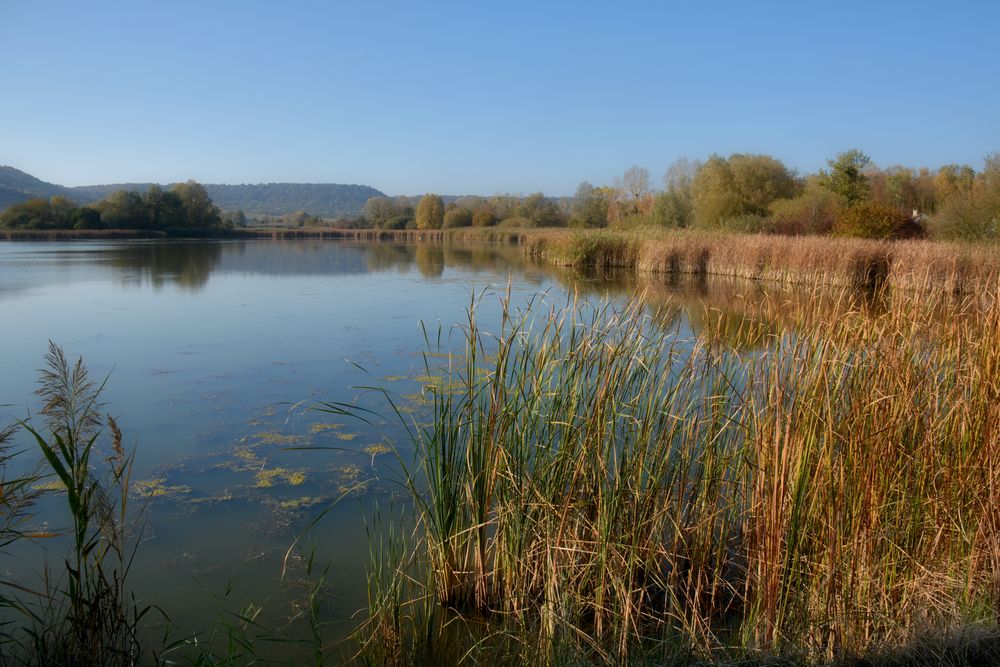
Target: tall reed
[608, 486]
[86, 615]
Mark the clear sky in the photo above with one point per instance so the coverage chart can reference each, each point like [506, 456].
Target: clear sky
[484, 97]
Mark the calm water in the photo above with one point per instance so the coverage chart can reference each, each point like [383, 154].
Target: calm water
[214, 352]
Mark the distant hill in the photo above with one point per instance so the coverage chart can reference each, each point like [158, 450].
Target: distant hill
[329, 200]
[17, 186]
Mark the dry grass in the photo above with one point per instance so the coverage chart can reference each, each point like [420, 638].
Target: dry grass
[787, 259]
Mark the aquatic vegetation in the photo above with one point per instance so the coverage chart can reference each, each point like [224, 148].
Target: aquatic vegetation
[279, 439]
[376, 450]
[50, 485]
[85, 614]
[607, 491]
[395, 378]
[158, 488]
[419, 398]
[269, 477]
[299, 503]
[323, 427]
[346, 436]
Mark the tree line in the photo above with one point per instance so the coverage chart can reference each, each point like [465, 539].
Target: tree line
[182, 206]
[740, 193]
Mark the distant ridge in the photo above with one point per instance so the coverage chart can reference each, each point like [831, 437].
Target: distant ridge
[328, 200]
[16, 186]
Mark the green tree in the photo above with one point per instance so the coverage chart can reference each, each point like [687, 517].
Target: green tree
[233, 219]
[540, 210]
[430, 212]
[86, 218]
[847, 176]
[457, 216]
[124, 209]
[379, 211]
[590, 206]
[674, 207]
[164, 208]
[739, 188]
[199, 211]
[972, 214]
[35, 214]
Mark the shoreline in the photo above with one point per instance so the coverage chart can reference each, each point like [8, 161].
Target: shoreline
[918, 265]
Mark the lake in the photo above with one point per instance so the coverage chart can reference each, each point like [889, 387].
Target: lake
[267, 388]
[214, 354]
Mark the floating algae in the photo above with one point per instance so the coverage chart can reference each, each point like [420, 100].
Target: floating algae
[51, 485]
[395, 378]
[375, 450]
[419, 398]
[156, 488]
[275, 438]
[321, 427]
[346, 436]
[271, 476]
[299, 503]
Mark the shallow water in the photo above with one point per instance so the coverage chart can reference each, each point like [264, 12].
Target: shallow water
[215, 354]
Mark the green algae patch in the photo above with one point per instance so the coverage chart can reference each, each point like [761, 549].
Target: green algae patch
[419, 398]
[299, 503]
[273, 476]
[324, 427]
[395, 378]
[275, 438]
[157, 488]
[346, 436]
[51, 485]
[376, 450]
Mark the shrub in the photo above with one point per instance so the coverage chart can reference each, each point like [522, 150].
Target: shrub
[871, 220]
[517, 222]
[458, 217]
[813, 212]
[483, 217]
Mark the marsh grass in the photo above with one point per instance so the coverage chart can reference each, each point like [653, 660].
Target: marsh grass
[912, 265]
[598, 489]
[85, 614]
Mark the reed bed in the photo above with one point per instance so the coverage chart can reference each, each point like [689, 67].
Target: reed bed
[913, 265]
[595, 488]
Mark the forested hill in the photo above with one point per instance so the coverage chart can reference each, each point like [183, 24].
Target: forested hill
[17, 186]
[329, 200]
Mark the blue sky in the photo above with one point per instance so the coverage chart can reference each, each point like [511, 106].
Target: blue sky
[477, 97]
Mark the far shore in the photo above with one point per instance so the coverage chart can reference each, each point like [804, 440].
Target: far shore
[903, 264]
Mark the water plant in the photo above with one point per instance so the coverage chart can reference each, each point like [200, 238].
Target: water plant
[85, 615]
[605, 490]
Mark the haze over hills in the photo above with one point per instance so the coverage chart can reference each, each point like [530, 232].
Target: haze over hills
[329, 200]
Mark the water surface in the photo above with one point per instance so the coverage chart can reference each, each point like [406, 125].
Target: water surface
[214, 353]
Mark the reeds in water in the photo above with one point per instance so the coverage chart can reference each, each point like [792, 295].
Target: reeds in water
[593, 485]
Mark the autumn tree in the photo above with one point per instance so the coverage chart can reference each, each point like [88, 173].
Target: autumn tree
[430, 212]
[457, 216]
[740, 186]
[483, 216]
